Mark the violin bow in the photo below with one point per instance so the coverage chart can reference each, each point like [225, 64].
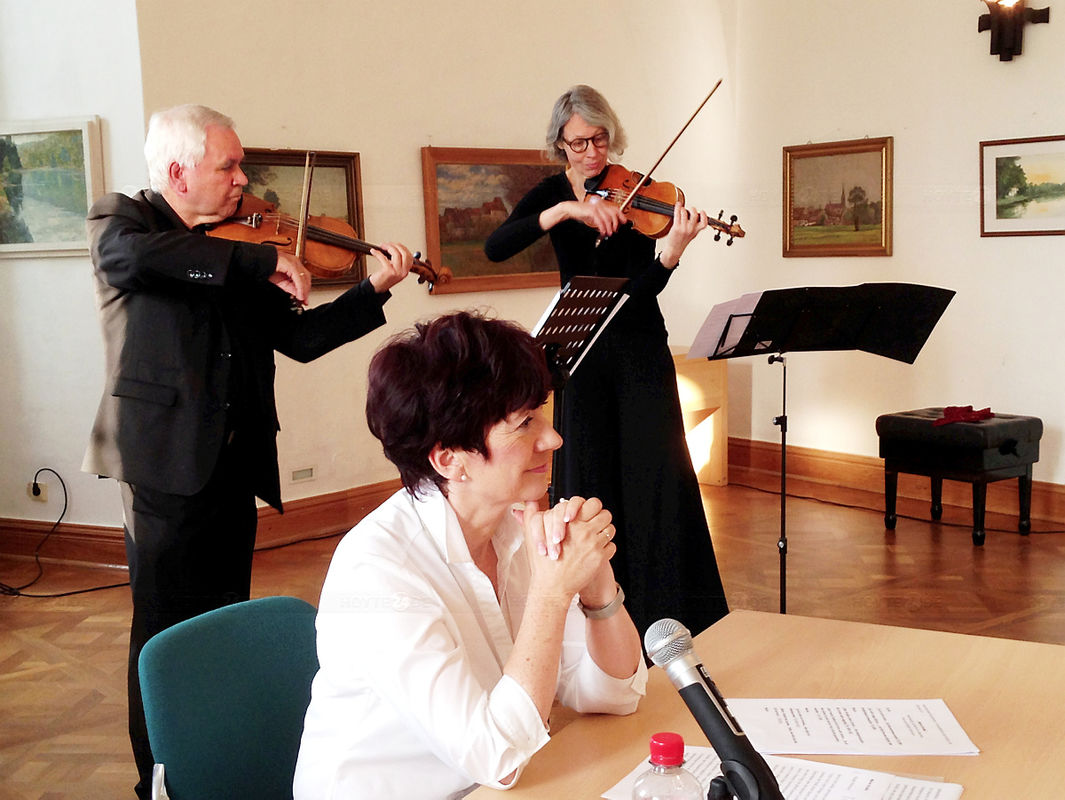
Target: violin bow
[308, 170]
[647, 175]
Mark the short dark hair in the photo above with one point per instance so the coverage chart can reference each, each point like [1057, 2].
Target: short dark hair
[446, 382]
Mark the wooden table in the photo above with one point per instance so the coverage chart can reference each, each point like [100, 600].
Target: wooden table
[1009, 697]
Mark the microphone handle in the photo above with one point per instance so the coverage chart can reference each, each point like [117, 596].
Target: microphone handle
[744, 769]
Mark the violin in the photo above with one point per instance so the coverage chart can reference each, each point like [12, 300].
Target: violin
[645, 201]
[330, 245]
[649, 204]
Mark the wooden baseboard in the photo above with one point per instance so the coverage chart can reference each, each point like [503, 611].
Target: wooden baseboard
[859, 480]
[97, 545]
[88, 545]
[821, 474]
[313, 517]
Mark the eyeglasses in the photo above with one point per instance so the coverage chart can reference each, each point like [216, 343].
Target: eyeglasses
[580, 144]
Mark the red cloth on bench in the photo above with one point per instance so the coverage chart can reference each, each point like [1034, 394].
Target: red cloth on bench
[962, 414]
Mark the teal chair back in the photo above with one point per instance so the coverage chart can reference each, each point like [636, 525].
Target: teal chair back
[225, 694]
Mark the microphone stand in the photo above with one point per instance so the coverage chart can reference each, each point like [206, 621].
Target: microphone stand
[719, 790]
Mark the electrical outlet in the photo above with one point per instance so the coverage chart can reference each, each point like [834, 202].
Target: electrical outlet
[42, 493]
[303, 474]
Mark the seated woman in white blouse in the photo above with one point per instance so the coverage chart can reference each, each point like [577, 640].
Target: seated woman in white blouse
[456, 613]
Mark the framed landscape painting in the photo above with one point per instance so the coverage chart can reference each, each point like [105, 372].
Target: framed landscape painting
[1022, 186]
[276, 176]
[837, 198]
[50, 173]
[469, 192]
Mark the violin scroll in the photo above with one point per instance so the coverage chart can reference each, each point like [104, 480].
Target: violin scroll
[427, 273]
[730, 228]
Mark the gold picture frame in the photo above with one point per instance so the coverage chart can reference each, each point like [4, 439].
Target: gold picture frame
[860, 223]
[336, 191]
[469, 191]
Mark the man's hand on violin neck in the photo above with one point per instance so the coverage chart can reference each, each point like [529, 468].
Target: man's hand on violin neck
[291, 276]
[394, 267]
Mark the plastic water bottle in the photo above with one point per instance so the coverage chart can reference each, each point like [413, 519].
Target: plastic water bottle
[667, 779]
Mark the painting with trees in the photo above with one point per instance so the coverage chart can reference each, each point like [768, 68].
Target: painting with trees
[49, 176]
[1022, 186]
[837, 198]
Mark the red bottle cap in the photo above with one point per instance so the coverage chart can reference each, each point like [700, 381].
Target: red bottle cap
[667, 749]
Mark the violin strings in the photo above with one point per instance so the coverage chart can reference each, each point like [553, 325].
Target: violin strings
[660, 207]
[642, 203]
[423, 269]
[322, 235]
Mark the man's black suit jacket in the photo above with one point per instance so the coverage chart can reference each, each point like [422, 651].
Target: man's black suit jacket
[190, 325]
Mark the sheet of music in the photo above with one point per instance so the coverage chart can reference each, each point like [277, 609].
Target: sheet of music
[723, 327]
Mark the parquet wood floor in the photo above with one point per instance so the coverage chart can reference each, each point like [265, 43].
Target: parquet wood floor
[62, 659]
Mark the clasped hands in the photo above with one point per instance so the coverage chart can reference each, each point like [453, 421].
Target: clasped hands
[574, 539]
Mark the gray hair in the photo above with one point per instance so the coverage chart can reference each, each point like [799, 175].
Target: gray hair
[178, 135]
[593, 109]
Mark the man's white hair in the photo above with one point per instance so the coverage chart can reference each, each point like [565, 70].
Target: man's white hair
[178, 135]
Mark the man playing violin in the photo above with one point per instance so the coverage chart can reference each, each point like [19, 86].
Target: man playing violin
[188, 423]
[622, 430]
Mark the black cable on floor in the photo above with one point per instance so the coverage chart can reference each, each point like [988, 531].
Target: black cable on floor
[17, 591]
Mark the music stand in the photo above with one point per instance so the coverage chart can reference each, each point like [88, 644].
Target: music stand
[576, 316]
[893, 320]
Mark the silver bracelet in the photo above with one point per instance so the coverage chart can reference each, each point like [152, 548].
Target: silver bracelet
[609, 610]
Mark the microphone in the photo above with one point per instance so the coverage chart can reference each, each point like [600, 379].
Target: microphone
[669, 645]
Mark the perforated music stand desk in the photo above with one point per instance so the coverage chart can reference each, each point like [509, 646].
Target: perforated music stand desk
[893, 320]
[574, 319]
[576, 316]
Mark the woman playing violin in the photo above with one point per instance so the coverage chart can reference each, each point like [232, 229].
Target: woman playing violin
[622, 427]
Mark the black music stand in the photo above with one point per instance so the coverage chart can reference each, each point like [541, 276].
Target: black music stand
[893, 320]
[573, 320]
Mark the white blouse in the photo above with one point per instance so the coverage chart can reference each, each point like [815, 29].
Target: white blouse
[410, 700]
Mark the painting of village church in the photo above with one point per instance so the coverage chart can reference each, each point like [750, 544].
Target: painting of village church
[838, 203]
[475, 191]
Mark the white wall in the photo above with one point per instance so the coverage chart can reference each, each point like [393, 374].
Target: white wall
[60, 59]
[921, 73]
[388, 79]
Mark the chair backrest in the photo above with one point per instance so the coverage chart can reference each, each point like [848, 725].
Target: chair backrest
[225, 694]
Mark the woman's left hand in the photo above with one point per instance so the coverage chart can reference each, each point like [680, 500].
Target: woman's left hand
[687, 224]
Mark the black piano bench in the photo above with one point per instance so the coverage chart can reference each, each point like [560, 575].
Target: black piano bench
[1004, 446]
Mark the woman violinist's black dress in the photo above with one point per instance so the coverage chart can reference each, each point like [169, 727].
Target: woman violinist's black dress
[622, 430]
